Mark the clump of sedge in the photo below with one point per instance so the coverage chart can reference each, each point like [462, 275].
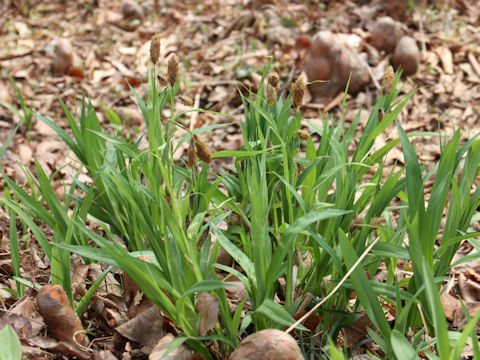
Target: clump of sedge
[387, 80]
[298, 92]
[155, 49]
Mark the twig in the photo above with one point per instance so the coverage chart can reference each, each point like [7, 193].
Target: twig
[337, 100]
[349, 272]
[15, 56]
[422, 32]
[425, 326]
[474, 63]
[193, 119]
[370, 72]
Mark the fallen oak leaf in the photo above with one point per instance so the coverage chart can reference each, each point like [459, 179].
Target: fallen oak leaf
[61, 347]
[146, 328]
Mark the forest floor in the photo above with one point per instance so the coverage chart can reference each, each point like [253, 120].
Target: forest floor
[67, 49]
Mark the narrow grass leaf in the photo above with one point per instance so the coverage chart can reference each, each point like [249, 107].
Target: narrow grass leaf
[402, 349]
[10, 347]
[207, 286]
[277, 314]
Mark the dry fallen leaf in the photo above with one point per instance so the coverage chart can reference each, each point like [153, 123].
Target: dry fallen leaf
[62, 347]
[145, 329]
[179, 353]
[268, 344]
[446, 58]
[450, 303]
[465, 282]
[207, 305]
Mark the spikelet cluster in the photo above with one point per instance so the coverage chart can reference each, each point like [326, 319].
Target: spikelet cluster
[274, 80]
[191, 153]
[185, 100]
[298, 259]
[198, 148]
[155, 48]
[303, 134]
[271, 95]
[203, 151]
[387, 80]
[380, 115]
[162, 80]
[298, 92]
[172, 69]
[272, 87]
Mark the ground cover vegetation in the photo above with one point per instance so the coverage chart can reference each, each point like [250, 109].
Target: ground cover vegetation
[307, 243]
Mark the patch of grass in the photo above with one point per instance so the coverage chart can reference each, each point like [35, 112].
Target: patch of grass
[298, 217]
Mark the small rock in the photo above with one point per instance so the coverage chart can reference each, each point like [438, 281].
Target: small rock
[223, 257]
[386, 34]
[62, 321]
[394, 8]
[62, 56]
[332, 62]
[132, 10]
[406, 56]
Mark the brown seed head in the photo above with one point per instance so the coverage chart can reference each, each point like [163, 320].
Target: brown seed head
[298, 258]
[191, 153]
[201, 240]
[155, 48]
[299, 169]
[234, 219]
[381, 115]
[203, 151]
[387, 81]
[274, 80]
[297, 93]
[162, 79]
[271, 95]
[185, 100]
[172, 69]
[303, 134]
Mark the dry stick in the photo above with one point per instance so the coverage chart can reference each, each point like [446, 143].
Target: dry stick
[80, 346]
[370, 72]
[425, 326]
[15, 56]
[473, 61]
[365, 253]
[422, 41]
[193, 119]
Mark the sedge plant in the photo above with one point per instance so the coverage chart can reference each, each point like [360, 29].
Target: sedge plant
[301, 206]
